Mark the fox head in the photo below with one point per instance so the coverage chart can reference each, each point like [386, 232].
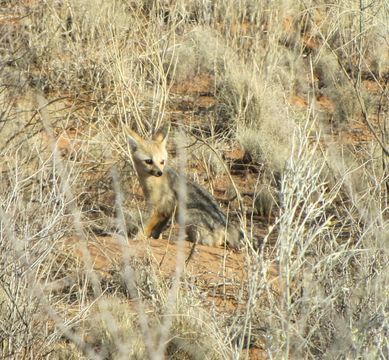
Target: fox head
[149, 156]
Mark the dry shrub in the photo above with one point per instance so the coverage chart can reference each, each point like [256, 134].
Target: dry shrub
[119, 330]
[200, 51]
[31, 226]
[325, 261]
[112, 329]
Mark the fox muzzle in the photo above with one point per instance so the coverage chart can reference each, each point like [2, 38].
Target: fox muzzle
[156, 172]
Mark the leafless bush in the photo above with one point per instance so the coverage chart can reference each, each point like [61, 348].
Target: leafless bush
[325, 253]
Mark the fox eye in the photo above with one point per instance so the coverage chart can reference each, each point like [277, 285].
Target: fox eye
[149, 161]
[162, 162]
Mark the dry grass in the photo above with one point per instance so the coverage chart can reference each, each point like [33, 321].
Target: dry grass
[298, 88]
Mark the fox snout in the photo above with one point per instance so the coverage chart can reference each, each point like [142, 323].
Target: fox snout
[156, 172]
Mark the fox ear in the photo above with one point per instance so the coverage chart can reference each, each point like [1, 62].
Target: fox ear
[133, 143]
[134, 139]
[162, 134]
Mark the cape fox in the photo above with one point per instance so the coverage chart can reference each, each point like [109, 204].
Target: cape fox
[205, 223]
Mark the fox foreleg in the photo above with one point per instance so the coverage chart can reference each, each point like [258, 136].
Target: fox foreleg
[155, 224]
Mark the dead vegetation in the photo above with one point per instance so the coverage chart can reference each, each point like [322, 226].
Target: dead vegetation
[283, 108]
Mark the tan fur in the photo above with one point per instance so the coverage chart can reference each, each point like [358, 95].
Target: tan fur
[205, 222]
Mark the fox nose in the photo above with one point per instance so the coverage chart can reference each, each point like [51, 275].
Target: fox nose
[158, 173]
